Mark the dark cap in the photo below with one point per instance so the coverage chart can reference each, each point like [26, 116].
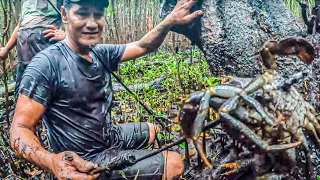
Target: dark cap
[102, 3]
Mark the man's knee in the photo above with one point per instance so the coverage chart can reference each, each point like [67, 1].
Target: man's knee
[153, 130]
[174, 166]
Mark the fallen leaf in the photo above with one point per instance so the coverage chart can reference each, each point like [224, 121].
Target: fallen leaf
[176, 120]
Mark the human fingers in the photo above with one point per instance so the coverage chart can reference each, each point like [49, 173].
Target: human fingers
[191, 3]
[50, 35]
[51, 27]
[74, 175]
[48, 31]
[82, 165]
[192, 16]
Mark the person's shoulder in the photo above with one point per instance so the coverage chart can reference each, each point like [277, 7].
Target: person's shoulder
[100, 46]
[107, 46]
[103, 48]
[52, 50]
[50, 55]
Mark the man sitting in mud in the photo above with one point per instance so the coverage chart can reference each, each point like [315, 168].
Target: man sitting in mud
[68, 87]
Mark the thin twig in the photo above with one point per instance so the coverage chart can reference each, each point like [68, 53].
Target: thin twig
[178, 70]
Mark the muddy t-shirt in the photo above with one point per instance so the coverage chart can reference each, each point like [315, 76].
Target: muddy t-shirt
[77, 95]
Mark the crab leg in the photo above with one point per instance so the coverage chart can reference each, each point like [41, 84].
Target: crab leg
[238, 166]
[309, 127]
[315, 123]
[244, 114]
[258, 107]
[243, 129]
[288, 82]
[224, 91]
[258, 82]
[230, 105]
[230, 157]
[198, 125]
[216, 102]
[202, 114]
[195, 97]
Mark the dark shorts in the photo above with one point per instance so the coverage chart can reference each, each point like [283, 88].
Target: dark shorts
[132, 137]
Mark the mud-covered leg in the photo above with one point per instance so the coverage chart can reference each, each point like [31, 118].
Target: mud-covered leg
[310, 128]
[195, 97]
[221, 91]
[243, 129]
[316, 126]
[232, 122]
[258, 83]
[224, 91]
[202, 115]
[198, 126]
[249, 100]
[288, 82]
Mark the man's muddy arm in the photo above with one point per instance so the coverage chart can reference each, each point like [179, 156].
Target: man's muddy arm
[22, 137]
[65, 165]
[151, 41]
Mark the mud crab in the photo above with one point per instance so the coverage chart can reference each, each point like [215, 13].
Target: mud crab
[268, 116]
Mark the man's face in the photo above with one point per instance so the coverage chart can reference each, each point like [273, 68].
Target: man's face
[85, 23]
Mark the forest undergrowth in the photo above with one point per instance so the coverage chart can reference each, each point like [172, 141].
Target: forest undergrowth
[180, 73]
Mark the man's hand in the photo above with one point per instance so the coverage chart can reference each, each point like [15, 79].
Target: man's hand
[69, 166]
[4, 53]
[181, 13]
[54, 34]
[151, 41]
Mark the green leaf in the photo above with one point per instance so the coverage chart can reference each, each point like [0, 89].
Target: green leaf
[121, 172]
[161, 136]
[183, 145]
[137, 175]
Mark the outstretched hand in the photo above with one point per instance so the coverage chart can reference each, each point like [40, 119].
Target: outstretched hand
[3, 53]
[54, 34]
[69, 166]
[181, 13]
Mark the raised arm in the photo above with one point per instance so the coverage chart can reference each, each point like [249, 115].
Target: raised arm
[27, 145]
[4, 51]
[151, 41]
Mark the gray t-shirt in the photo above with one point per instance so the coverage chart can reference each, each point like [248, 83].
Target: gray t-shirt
[77, 95]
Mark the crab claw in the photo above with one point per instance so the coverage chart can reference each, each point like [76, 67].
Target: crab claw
[192, 118]
[198, 126]
[199, 147]
[301, 47]
[187, 116]
[289, 46]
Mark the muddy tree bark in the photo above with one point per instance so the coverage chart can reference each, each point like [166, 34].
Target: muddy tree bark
[231, 34]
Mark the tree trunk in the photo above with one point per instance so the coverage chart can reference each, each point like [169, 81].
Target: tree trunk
[232, 32]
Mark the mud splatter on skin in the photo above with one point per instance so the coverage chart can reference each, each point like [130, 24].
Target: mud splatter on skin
[68, 156]
[16, 143]
[24, 150]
